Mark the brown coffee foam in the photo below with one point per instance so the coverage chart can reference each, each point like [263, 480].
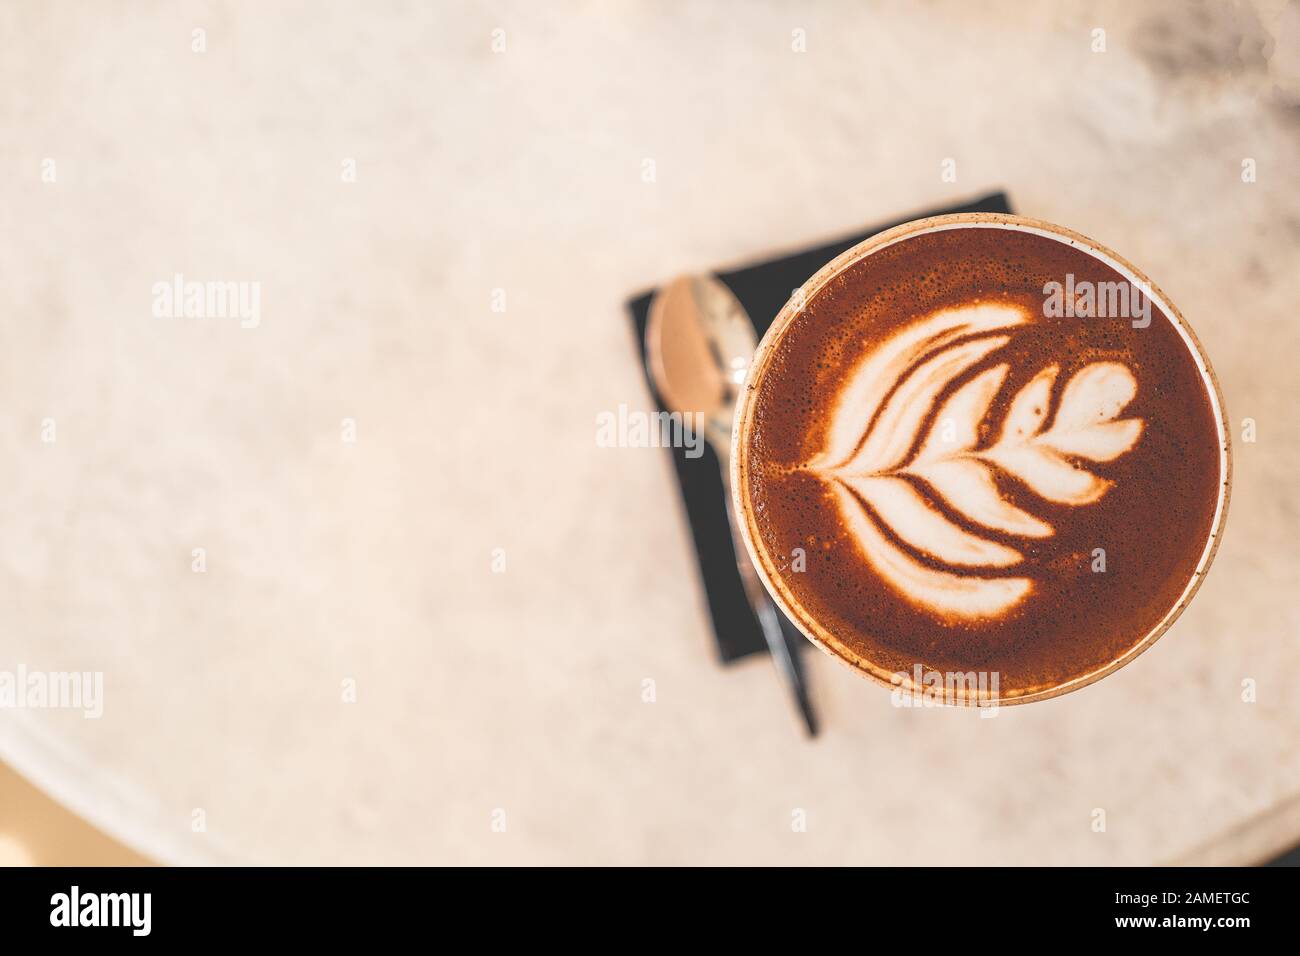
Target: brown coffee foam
[1153, 523]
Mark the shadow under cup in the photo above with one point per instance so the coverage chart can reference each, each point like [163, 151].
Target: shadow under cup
[981, 459]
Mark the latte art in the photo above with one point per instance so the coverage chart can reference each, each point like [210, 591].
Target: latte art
[935, 471]
[893, 459]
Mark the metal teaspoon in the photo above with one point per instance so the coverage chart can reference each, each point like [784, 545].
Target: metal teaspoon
[699, 344]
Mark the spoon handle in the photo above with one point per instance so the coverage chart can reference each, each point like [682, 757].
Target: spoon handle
[785, 653]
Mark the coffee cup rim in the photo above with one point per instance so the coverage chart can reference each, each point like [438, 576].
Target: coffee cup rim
[742, 423]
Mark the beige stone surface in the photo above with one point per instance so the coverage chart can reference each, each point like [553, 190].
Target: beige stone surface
[36, 831]
[371, 561]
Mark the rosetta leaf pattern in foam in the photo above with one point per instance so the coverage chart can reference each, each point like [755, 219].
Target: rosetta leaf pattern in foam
[901, 493]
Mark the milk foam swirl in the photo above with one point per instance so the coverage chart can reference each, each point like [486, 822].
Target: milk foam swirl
[886, 492]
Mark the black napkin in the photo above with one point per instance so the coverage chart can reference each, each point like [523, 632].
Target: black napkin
[762, 289]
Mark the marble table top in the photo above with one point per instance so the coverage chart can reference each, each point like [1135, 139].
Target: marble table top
[359, 580]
